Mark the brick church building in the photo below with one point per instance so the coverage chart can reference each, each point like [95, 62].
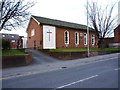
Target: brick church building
[45, 33]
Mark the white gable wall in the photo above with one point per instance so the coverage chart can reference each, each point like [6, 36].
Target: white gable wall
[49, 37]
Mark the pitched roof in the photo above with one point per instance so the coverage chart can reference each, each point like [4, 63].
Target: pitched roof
[60, 23]
[9, 36]
[117, 28]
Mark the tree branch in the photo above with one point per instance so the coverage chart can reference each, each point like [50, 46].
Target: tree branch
[14, 11]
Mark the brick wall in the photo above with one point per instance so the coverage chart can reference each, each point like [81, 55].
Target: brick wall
[35, 39]
[109, 40]
[60, 38]
[13, 44]
[114, 41]
[117, 35]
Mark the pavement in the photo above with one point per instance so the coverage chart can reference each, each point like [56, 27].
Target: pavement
[51, 66]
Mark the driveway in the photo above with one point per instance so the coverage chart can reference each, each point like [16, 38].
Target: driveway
[41, 58]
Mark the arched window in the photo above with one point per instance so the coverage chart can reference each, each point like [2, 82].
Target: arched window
[66, 37]
[85, 39]
[93, 39]
[32, 32]
[76, 38]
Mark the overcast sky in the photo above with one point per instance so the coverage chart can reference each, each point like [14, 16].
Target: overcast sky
[65, 10]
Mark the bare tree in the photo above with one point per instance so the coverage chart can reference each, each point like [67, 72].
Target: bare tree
[14, 13]
[101, 20]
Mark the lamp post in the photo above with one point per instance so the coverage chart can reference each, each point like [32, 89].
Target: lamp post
[88, 51]
[24, 41]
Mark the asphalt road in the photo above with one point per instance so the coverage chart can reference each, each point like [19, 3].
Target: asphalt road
[102, 74]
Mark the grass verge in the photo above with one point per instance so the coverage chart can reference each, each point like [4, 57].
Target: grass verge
[84, 49]
[13, 52]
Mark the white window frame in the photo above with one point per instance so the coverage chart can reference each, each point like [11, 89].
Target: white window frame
[32, 32]
[76, 33]
[3, 35]
[13, 41]
[85, 37]
[67, 37]
[13, 36]
[93, 39]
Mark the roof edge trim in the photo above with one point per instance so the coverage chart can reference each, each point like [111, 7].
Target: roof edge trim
[36, 20]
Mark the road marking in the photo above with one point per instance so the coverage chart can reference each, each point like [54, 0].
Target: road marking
[77, 81]
[94, 61]
[23, 74]
[117, 69]
[106, 59]
[15, 76]
[0, 78]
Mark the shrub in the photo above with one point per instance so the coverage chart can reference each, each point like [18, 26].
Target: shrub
[5, 44]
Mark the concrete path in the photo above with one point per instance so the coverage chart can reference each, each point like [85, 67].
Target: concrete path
[46, 67]
[40, 58]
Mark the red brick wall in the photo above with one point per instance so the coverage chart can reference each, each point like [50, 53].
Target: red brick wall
[60, 38]
[13, 44]
[117, 35]
[116, 38]
[38, 35]
[109, 40]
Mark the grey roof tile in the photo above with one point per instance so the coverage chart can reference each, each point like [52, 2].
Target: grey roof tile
[9, 36]
[60, 23]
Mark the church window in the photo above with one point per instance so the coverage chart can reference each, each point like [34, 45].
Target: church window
[33, 32]
[66, 37]
[85, 39]
[76, 38]
[93, 39]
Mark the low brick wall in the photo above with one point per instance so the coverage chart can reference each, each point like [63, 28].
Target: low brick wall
[75, 55]
[15, 61]
[67, 55]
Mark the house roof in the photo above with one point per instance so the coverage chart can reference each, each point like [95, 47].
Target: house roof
[60, 23]
[117, 28]
[9, 36]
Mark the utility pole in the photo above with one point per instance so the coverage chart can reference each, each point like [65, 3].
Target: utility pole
[118, 12]
[88, 51]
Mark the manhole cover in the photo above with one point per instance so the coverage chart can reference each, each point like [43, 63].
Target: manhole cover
[63, 67]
